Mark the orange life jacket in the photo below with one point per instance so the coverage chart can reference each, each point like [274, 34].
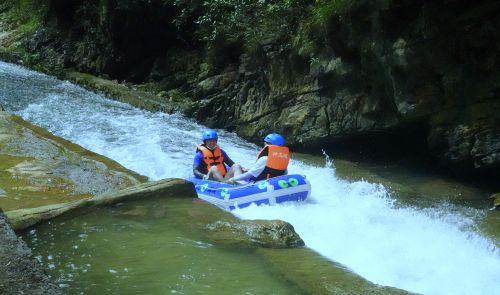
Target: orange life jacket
[278, 158]
[212, 158]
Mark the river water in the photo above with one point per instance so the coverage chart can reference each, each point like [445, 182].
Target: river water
[430, 250]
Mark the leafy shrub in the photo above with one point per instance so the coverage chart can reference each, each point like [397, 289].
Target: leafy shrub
[324, 10]
[313, 30]
[240, 20]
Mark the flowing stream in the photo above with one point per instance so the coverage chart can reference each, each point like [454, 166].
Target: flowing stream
[436, 250]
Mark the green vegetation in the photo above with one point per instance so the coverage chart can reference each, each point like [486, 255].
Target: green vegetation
[19, 20]
[230, 27]
[221, 29]
[23, 15]
[324, 10]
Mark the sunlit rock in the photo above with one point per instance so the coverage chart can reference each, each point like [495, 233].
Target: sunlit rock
[255, 233]
[178, 188]
[38, 168]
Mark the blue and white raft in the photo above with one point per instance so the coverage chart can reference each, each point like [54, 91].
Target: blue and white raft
[286, 188]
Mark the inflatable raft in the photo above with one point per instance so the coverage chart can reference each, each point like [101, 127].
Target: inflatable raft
[286, 188]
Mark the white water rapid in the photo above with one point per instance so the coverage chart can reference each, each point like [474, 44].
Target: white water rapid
[431, 251]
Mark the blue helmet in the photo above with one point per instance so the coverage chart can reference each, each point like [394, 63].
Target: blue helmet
[275, 139]
[209, 134]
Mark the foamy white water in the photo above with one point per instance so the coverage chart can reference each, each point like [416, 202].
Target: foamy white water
[430, 251]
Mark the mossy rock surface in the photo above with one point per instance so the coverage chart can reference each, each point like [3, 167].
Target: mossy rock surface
[38, 168]
[24, 218]
[142, 96]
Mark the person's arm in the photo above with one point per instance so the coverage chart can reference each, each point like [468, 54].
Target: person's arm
[197, 173]
[198, 159]
[227, 160]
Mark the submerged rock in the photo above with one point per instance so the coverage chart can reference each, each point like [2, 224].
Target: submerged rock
[314, 274]
[255, 233]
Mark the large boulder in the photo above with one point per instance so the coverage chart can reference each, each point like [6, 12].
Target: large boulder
[255, 233]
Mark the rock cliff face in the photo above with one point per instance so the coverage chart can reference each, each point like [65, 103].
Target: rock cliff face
[404, 64]
[382, 66]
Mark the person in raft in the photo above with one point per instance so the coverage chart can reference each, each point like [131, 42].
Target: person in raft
[272, 160]
[212, 162]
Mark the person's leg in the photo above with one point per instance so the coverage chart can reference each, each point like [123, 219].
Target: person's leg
[235, 170]
[214, 174]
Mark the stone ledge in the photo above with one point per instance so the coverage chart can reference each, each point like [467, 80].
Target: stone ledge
[24, 218]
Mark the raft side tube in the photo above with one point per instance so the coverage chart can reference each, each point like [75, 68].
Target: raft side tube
[286, 188]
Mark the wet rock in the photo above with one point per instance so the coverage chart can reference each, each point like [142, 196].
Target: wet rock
[178, 188]
[216, 83]
[20, 272]
[476, 144]
[138, 98]
[38, 168]
[496, 201]
[43, 176]
[486, 148]
[255, 233]
[315, 275]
